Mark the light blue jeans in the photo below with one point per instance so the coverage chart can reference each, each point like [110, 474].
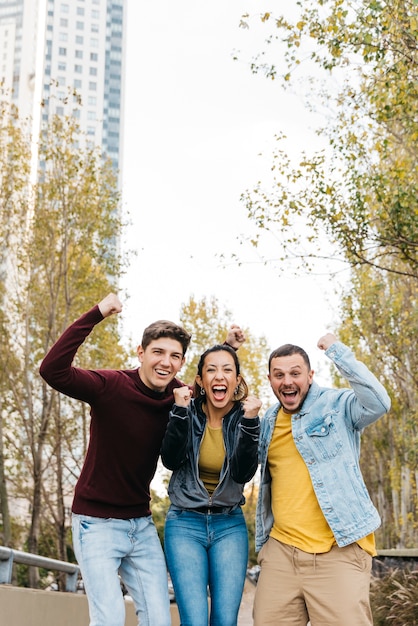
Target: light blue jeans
[106, 547]
[207, 550]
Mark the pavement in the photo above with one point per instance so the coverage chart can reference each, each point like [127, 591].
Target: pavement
[245, 615]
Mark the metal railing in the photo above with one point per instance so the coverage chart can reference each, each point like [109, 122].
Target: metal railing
[9, 556]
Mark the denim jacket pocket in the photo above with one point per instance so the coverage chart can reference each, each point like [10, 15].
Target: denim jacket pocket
[324, 437]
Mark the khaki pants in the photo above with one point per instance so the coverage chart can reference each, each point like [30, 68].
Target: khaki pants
[330, 589]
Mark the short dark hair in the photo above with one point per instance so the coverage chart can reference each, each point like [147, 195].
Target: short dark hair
[242, 392]
[164, 328]
[288, 349]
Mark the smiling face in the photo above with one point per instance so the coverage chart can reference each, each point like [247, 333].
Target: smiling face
[290, 379]
[160, 362]
[219, 379]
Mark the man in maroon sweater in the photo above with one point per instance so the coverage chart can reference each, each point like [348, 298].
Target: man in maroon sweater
[113, 532]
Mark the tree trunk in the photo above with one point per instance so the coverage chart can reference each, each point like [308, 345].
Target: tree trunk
[4, 502]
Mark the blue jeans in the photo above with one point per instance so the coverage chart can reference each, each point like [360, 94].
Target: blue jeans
[207, 550]
[106, 547]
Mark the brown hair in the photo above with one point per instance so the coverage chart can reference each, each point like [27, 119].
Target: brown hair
[242, 390]
[288, 349]
[164, 328]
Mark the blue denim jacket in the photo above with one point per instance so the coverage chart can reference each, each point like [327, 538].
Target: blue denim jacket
[326, 432]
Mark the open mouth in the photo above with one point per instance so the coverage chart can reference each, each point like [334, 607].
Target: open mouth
[162, 372]
[219, 392]
[289, 395]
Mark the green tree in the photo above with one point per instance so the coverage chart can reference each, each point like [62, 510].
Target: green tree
[361, 190]
[63, 259]
[354, 202]
[14, 149]
[379, 319]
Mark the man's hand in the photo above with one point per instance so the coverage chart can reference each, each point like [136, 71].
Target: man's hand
[235, 337]
[110, 305]
[251, 406]
[326, 341]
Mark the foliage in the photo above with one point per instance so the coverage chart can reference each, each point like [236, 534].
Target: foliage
[362, 189]
[379, 319]
[159, 508]
[394, 599]
[249, 510]
[14, 149]
[353, 203]
[62, 258]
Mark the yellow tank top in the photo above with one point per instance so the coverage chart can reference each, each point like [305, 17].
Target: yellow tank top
[211, 457]
[298, 519]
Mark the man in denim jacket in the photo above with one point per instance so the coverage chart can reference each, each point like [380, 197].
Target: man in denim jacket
[315, 519]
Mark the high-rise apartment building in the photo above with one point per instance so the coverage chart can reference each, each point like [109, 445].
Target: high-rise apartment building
[66, 57]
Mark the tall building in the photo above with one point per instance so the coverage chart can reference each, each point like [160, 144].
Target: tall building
[66, 57]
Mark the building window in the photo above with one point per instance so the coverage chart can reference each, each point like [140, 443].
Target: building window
[77, 83]
[62, 52]
[92, 101]
[94, 56]
[64, 22]
[78, 54]
[93, 71]
[94, 28]
[62, 67]
[63, 36]
[79, 25]
[78, 69]
[95, 14]
[91, 115]
[80, 10]
[92, 86]
[94, 42]
[65, 8]
[79, 39]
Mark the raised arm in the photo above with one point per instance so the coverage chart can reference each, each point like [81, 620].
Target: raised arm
[235, 337]
[56, 368]
[370, 400]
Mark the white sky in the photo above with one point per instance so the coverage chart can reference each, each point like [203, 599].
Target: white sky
[196, 123]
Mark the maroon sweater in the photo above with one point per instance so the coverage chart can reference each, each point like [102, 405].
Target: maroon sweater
[128, 422]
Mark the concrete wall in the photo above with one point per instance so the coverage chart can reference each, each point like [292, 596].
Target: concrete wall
[23, 607]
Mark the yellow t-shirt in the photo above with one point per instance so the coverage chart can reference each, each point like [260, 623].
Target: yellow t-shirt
[211, 457]
[298, 519]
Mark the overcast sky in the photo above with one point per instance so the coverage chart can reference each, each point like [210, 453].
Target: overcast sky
[196, 124]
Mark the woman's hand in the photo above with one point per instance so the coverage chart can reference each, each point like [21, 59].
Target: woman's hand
[251, 406]
[182, 396]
